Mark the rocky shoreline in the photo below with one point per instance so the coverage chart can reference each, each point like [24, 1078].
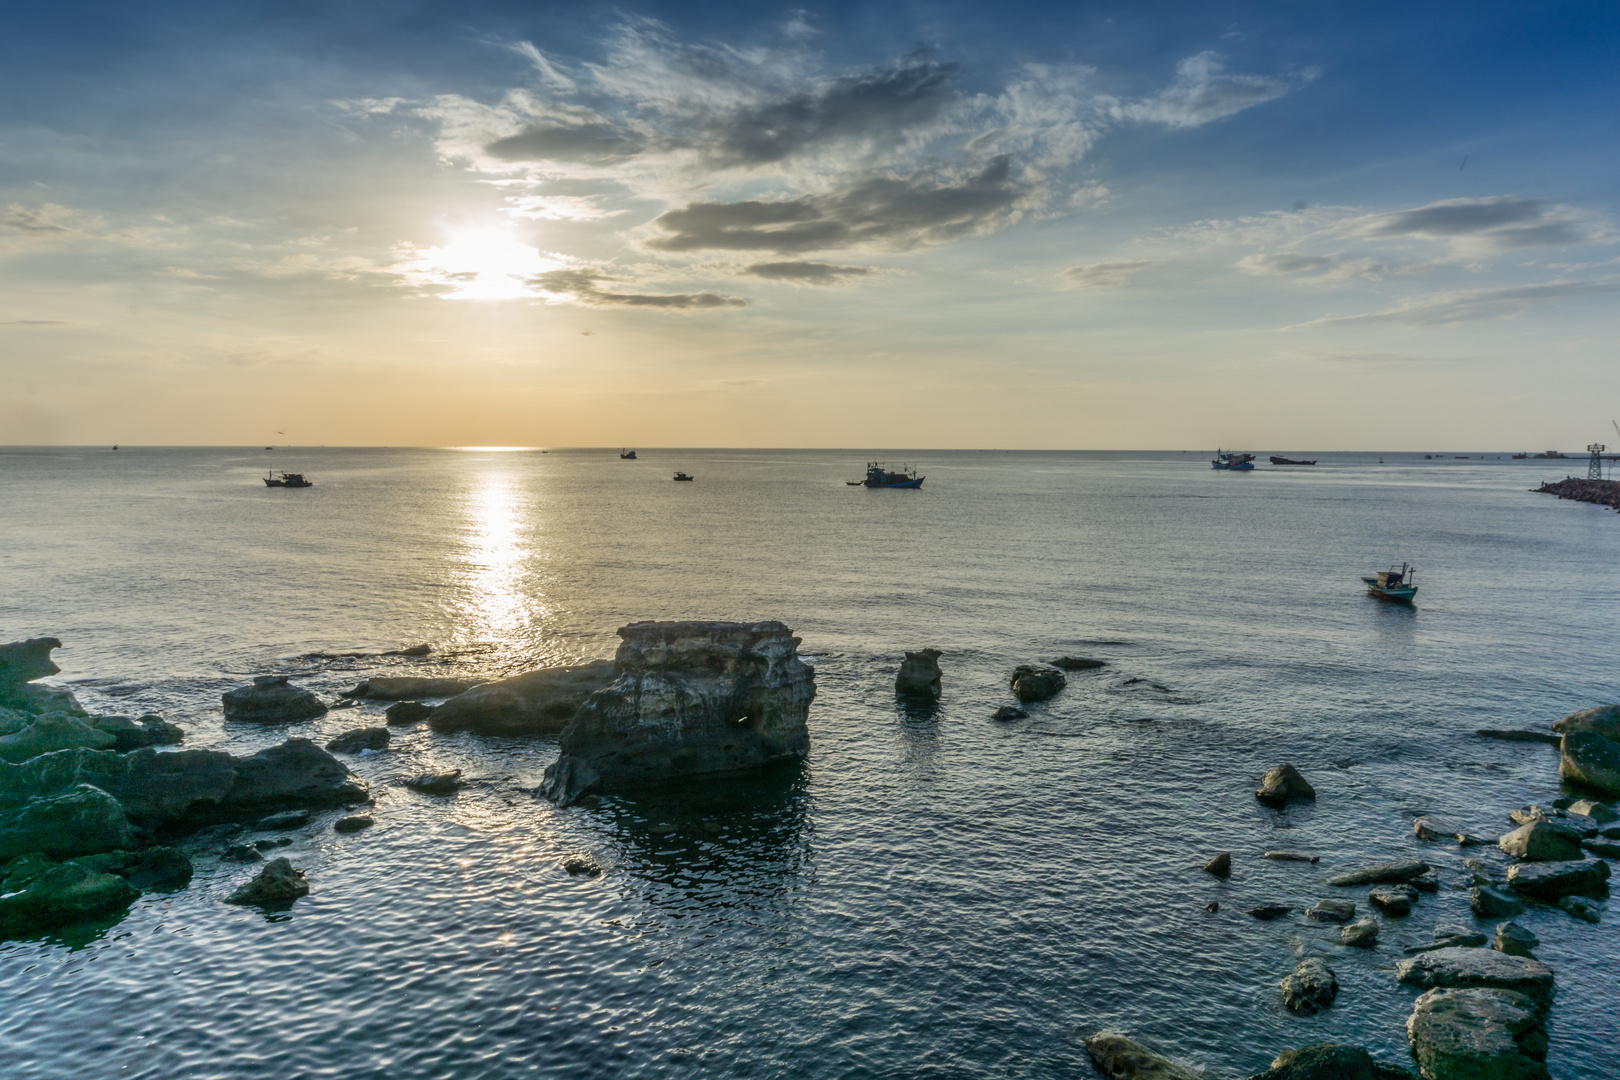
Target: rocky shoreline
[1601, 492]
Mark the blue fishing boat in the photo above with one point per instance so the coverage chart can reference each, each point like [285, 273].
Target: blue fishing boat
[1396, 584]
[1235, 462]
[877, 476]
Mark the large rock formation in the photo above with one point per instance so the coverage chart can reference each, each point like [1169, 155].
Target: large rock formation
[1478, 968]
[21, 662]
[1478, 1034]
[534, 703]
[80, 820]
[1541, 841]
[62, 895]
[1602, 720]
[691, 698]
[1587, 758]
[271, 700]
[409, 687]
[148, 730]
[919, 674]
[56, 731]
[1330, 1061]
[1119, 1057]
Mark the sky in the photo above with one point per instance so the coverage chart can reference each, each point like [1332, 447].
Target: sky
[1021, 225]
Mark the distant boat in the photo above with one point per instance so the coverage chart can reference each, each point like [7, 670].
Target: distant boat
[287, 479]
[115, 446]
[1396, 584]
[1520, 457]
[1232, 461]
[1289, 461]
[627, 455]
[682, 476]
[879, 477]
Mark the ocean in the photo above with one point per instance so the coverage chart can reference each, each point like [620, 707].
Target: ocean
[933, 894]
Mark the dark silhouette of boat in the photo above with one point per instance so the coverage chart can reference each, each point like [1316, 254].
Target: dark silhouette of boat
[288, 479]
[1234, 462]
[682, 476]
[627, 455]
[877, 476]
[1520, 457]
[1275, 460]
[1396, 584]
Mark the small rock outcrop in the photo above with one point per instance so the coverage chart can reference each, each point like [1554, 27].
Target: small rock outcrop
[1580, 907]
[1009, 712]
[1549, 881]
[1390, 873]
[55, 731]
[1361, 934]
[409, 687]
[919, 674]
[366, 738]
[60, 896]
[1601, 720]
[1589, 759]
[352, 823]
[1078, 663]
[278, 883]
[1514, 940]
[1036, 682]
[1283, 784]
[1331, 911]
[435, 783]
[1394, 899]
[1481, 968]
[148, 730]
[287, 819]
[80, 820]
[407, 712]
[1542, 841]
[691, 699]
[1311, 988]
[1478, 1033]
[1220, 865]
[1601, 813]
[1267, 912]
[581, 866]
[271, 700]
[535, 703]
[1118, 1057]
[1491, 902]
[1330, 1061]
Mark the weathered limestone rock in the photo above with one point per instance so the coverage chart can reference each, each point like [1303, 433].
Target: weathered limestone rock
[1395, 899]
[1542, 841]
[406, 688]
[148, 730]
[81, 820]
[919, 674]
[1311, 988]
[63, 895]
[1036, 682]
[691, 699]
[1478, 1034]
[24, 661]
[1549, 881]
[1478, 968]
[1601, 720]
[1120, 1058]
[1514, 940]
[352, 823]
[1589, 759]
[535, 703]
[1332, 911]
[56, 731]
[432, 783]
[408, 712]
[1490, 902]
[271, 700]
[1361, 934]
[1220, 865]
[278, 883]
[1601, 813]
[1330, 1061]
[1281, 784]
[366, 738]
[1390, 873]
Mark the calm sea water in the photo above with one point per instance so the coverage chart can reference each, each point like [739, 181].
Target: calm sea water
[933, 894]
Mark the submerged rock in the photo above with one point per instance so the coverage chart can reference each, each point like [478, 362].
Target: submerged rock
[1395, 899]
[81, 820]
[1036, 682]
[1332, 911]
[1601, 720]
[1282, 784]
[278, 883]
[535, 703]
[54, 731]
[1118, 1057]
[578, 865]
[1580, 907]
[407, 712]
[1292, 856]
[1311, 988]
[63, 895]
[245, 853]
[352, 823]
[1330, 1061]
[1589, 759]
[691, 699]
[1514, 940]
[1549, 881]
[1448, 936]
[1478, 968]
[1220, 865]
[148, 730]
[919, 674]
[1267, 912]
[1518, 736]
[408, 687]
[1361, 934]
[1009, 712]
[1078, 663]
[159, 869]
[1490, 902]
[1478, 1034]
[435, 783]
[1390, 873]
[287, 819]
[366, 738]
[271, 700]
[1542, 841]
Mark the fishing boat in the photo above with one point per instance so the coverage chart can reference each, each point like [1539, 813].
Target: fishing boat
[878, 476]
[1275, 460]
[1233, 461]
[682, 476]
[627, 455]
[287, 479]
[1396, 583]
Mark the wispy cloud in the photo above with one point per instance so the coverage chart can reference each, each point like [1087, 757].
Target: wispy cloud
[581, 287]
[1499, 222]
[1287, 262]
[1203, 92]
[1108, 275]
[807, 273]
[1468, 305]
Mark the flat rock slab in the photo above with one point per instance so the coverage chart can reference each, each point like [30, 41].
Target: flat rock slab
[407, 687]
[1491, 902]
[1484, 968]
[1292, 856]
[1390, 873]
[1478, 1034]
[1546, 737]
[353, 823]
[1078, 663]
[535, 703]
[445, 783]
[1601, 813]
[1549, 881]
[1118, 1057]
[1332, 911]
[287, 819]
[1395, 899]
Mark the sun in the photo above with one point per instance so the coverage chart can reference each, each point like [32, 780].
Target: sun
[482, 264]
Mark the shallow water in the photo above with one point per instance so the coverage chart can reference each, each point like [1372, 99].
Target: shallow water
[932, 894]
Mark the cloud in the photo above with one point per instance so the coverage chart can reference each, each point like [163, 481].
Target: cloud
[1283, 263]
[54, 223]
[557, 208]
[1442, 309]
[1202, 92]
[1502, 221]
[882, 211]
[807, 273]
[594, 144]
[34, 322]
[1109, 275]
[580, 286]
[549, 72]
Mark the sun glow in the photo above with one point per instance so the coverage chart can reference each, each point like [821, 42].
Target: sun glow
[479, 264]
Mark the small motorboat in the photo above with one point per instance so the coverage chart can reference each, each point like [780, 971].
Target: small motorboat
[1234, 462]
[1275, 460]
[682, 476]
[287, 479]
[627, 455]
[878, 476]
[1396, 584]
